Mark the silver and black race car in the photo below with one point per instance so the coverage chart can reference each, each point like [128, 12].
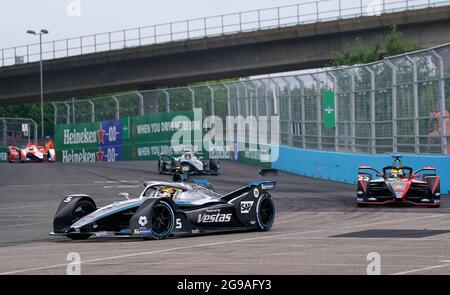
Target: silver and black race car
[189, 163]
[169, 209]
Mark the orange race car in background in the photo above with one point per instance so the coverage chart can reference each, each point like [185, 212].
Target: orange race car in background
[32, 153]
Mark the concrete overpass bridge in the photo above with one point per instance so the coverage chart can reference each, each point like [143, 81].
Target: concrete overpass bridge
[143, 60]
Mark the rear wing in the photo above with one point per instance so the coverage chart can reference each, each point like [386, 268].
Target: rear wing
[431, 169]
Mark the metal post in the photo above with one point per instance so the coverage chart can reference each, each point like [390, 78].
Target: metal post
[336, 110]
[92, 111]
[416, 105]
[68, 112]
[373, 149]
[394, 105]
[290, 123]
[192, 97]
[5, 132]
[318, 112]
[352, 111]
[42, 84]
[246, 98]
[444, 139]
[141, 103]
[117, 107]
[73, 110]
[238, 99]
[167, 94]
[228, 99]
[302, 110]
[55, 114]
[211, 90]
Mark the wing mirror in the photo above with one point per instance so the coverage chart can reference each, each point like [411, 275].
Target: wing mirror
[380, 174]
[125, 195]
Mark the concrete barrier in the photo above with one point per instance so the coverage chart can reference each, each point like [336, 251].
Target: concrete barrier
[343, 167]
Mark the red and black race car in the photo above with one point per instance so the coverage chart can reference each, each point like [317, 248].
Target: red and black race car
[31, 153]
[398, 184]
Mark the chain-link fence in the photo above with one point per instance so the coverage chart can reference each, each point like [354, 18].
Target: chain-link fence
[17, 131]
[399, 104]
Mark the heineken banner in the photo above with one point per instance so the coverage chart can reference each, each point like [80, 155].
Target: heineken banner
[3, 154]
[134, 138]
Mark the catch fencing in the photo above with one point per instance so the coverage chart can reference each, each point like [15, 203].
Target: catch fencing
[399, 104]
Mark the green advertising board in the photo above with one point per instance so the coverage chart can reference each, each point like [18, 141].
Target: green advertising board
[77, 143]
[329, 113]
[3, 154]
[132, 138]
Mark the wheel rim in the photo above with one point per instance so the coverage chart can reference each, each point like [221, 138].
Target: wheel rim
[80, 212]
[161, 220]
[266, 211]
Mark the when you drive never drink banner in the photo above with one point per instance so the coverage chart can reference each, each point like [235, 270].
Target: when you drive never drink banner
[133, 138]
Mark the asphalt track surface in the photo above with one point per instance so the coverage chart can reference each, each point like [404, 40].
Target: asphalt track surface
[318, 228]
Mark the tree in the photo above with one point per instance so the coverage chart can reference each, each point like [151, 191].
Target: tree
[360, 53]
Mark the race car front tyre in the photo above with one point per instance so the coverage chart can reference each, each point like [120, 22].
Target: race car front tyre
[82, 208]
[163, 220]
[265, 212]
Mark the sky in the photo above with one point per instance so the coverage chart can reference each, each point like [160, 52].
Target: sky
[65, 18]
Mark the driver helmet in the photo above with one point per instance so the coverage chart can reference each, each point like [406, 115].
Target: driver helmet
[170, 191]
[397, 173]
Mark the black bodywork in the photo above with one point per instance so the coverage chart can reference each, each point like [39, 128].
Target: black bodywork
[250, 208]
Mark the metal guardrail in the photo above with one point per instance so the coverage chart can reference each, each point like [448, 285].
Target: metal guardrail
[253, 20]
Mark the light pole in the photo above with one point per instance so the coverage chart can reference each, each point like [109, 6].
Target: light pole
[42, 32]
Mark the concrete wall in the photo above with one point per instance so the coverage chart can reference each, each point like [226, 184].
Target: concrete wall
[237, 55]
[343, 167]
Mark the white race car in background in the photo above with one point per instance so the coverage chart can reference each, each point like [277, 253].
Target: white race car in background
[188, 163]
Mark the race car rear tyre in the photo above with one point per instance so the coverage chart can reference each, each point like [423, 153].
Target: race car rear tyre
[265, 212]
[362, 205]
[83, 208]
[163, 220]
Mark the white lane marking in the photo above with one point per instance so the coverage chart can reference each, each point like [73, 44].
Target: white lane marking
[203, 245]
[421, 269]
[21, 207]
[156, 251]
[121, 186]
[115, 181]
[25, 224]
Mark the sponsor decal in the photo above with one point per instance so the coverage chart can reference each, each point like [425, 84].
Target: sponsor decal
[195, 231]
[100, 155]
[101, 136]
[256, 192]
[143, 221]
[267, 186]
[214, 217]
[246, 206]
[68, 199]
[80, 157]
[80, 137]
[142, 231]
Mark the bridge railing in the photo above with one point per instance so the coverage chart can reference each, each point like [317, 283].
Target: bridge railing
[246, 21]
[400, 104]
